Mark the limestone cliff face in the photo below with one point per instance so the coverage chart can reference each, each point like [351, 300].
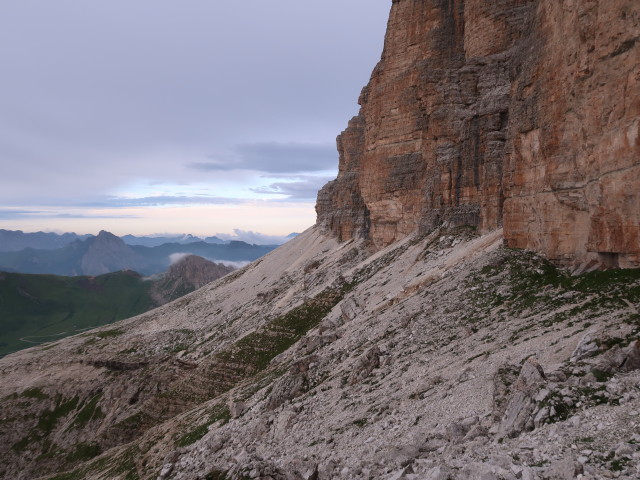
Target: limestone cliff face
[514, 113]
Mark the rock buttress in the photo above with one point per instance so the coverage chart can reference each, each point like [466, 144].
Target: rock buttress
[522, 113]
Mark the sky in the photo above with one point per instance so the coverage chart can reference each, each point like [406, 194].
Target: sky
[177, 116]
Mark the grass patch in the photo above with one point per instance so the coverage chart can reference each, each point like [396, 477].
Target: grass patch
[46, 308]
[74, 475]
[91, 411]
[49, 419]
[34, 393]
[216, 475]
[526, 284]
[601, 375]
[109, 333]
[125, 465]
[84, 451]
[193, 436]
[257, 349]
[219, 413]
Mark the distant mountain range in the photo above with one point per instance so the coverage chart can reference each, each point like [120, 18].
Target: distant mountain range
[181, 239]
[16, 240]
[105, 253]
[35, 309]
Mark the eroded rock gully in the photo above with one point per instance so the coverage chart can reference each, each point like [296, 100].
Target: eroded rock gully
[516, 113]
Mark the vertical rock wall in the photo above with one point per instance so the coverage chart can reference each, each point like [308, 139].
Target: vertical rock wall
[572, 178]
[522, 113]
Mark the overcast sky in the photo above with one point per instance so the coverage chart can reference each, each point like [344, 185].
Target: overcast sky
[197, 116]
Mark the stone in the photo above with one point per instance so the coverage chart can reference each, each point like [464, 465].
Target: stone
[439, 472]
[483, 471]
[625, 450]
[587, 347]
[564, 469]
[369, 361]
[475, 432]
[521, 405]
[237, 408]
[528, 474]
[632, 357]
[293, 384]
[456, 432]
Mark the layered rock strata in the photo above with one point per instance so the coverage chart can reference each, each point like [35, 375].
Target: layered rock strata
[516, 113]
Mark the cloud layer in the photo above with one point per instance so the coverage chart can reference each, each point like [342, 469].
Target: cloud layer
[235, 97]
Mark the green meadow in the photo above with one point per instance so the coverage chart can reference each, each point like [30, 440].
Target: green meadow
[38, 309]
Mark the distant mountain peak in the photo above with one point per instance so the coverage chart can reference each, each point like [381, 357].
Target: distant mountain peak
[105, 234]
[186, 275]
[108, 253]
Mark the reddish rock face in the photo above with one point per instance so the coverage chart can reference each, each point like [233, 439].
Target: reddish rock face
[522, 113]
[572, 179]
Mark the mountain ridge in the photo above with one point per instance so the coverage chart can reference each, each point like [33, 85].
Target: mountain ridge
[106, 252]
[291, 365]
[16, 240]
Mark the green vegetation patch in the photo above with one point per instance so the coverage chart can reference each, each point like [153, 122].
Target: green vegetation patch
[216, 475]
[124, 464]
[257, 349]
[361, 422]
[37, 309]
[526, 284]
[219, 413]
[135, 421]
[49, 419]
[34, 392]
[90, 411]
[74, 475]
[84, 451]
[109, 333]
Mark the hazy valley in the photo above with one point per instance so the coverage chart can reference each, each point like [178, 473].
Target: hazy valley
[105, 253]
[37, 309]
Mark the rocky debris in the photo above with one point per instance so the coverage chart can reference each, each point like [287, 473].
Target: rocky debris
[350, 309]
[369, 361]
[294, 383]
[504, 377]
[257, 469]
[631, 359]
[422, 403]
[237, 408]
[565, 469]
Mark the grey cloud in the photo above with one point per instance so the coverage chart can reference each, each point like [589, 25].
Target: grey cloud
[119, 202]
[17, 214]
[95, 96]
[10, 214]
[272, 157]
[304, 188]
[73, 215]
[257, 238]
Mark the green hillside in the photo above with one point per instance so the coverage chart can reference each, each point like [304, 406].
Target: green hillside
[35, 309]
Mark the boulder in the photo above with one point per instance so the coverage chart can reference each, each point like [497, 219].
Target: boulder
[521, 405]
